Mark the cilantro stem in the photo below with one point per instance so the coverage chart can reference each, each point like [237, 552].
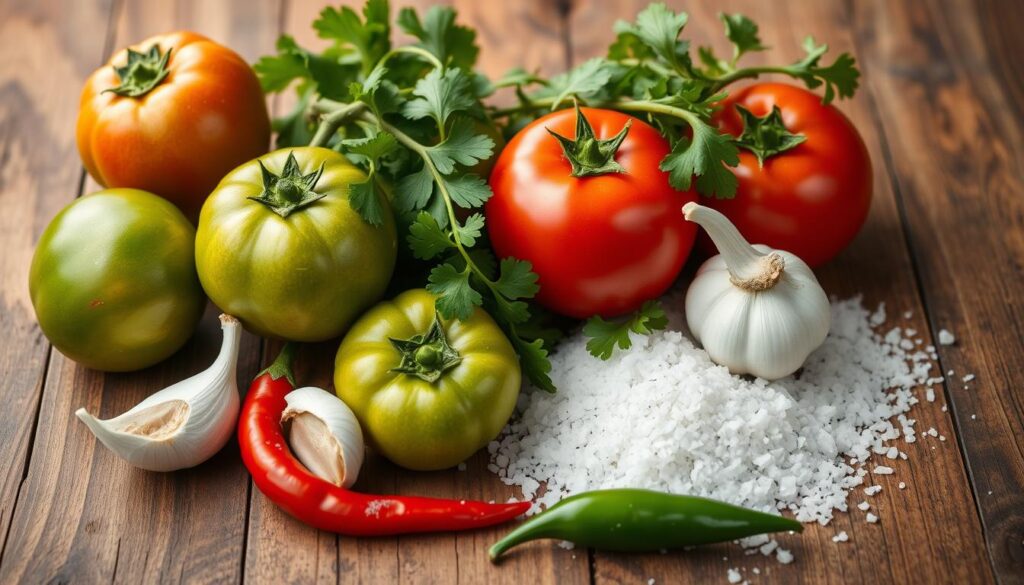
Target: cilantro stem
[410, 50]
[339, 114]
[746, 73]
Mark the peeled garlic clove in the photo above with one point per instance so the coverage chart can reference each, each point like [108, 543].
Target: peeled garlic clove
[324, 434]
[184, 424]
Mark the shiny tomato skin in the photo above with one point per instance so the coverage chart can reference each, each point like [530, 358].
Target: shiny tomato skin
[600, 245]
[113, 280]
[204, 119]
[810, 200]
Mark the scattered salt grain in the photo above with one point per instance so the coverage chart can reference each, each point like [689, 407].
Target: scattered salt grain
[929, 395]
[784, 556]
[974, 417]
[946, 338]
[734, 576]
[650, 581]
[908, 314]
[566, 544]
[949, 373]
[892, 453]
[931, 431]
[882, 470]
[662, 416]
[864, 506]
[903, 485]
[871, 518]
[841, 537]
[872, 490]
[968, 378]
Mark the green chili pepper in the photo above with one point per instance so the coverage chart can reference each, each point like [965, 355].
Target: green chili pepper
[632, 520]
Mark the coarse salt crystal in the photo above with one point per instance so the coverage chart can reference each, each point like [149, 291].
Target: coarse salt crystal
[841, 537]
[871, 518]
[662, 416]
[946, 338]
[903, 485]
[968, 378]
[650, 581]
[734, 576]
[872, 490]
[882, 470]
[864, 506]
[929, 395]
[784, 556]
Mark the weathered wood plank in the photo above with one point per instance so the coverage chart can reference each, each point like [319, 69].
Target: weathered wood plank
[85, 515]
[281, 549]
[45, 60]
[930, 531]
[947, 95]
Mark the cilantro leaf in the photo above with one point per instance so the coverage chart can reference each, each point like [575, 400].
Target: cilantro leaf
[414, 190]
[513, 312]
[742, 33]
[439, 95]
[276, 72]
[365, 199]
[606, 335]
[659, 27]
[517, 279]
[372, 148]
[455, 296]
[703, 156]
[582, 82]
[840, 78]
[371, 39]
[426, 238]
[471, 229]
[462, 146]
[535, 363]
[468, 191]
[452, 44]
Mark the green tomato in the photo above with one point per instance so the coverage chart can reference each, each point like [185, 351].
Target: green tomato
[280, 247]
[113, 280]
[428, 392]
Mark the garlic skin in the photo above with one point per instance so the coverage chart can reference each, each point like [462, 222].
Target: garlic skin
[756, 310]
[184, 424]
[324, 435]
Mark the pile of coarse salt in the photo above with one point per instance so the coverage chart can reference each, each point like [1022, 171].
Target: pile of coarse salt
[663, 416]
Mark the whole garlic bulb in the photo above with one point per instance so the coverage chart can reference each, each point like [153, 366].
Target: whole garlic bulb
[756, 310]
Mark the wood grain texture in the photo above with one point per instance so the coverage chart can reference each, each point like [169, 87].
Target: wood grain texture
[947, 96]
[928, 532]
[85, 515]
[43, 66]
[941, 111]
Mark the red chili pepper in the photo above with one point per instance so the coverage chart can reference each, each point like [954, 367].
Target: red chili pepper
[319, 503]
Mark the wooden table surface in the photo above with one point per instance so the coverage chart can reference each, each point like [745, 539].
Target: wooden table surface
[941, 111]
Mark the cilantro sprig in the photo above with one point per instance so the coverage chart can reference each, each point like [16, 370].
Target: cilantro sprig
[415, 120]
[649, 71]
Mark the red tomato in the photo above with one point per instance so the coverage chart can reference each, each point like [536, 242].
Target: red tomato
[177, 123]
[600, 245]
[810, 200]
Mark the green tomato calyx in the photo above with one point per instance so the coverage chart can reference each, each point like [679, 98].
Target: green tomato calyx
[588, 155]
[766, 136]
[426, 356]
[142, 72]
[291, 190]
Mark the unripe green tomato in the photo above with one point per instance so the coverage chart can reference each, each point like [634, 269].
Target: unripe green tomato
[113, 280]
[280, 247]
[427, 402]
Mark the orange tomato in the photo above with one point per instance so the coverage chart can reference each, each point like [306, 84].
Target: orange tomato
[172, 115]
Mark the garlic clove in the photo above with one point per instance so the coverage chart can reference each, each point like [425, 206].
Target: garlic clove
[324, 434]
[184, 424]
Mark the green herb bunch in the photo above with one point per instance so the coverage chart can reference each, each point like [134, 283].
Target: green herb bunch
[414, 118]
